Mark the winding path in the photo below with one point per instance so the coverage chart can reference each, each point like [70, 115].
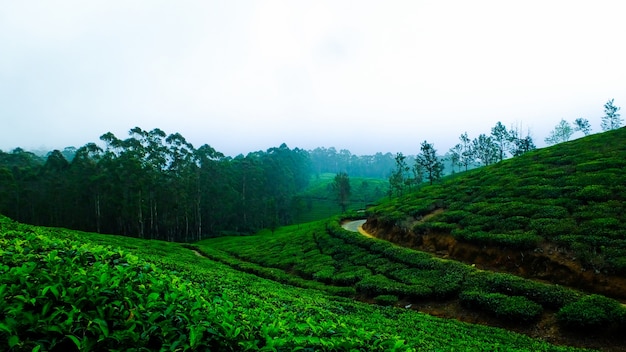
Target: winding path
[356, 226]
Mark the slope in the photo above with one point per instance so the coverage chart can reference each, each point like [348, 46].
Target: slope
[556, 214]
[63, 290]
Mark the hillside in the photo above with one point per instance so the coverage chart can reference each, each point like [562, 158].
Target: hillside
[556, 214]
[64, 290]
[319, 201]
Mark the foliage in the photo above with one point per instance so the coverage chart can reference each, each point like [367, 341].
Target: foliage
[386, 300]
[73, 291]
[341, 185]
[561, 133]
[571, 196]
[513, 308]
[611, 120]
[592, 313]
[154, 185]
[583, 125]
[501, 138]
[485, 150]
[428, 161]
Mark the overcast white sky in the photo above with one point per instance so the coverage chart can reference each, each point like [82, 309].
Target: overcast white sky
[243, 76]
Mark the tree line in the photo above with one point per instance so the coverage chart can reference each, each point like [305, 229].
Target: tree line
[153, 185]
[564, 130]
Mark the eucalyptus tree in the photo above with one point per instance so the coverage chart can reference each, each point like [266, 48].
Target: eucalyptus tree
[85, 178]
[8, 191]
[583, 125]
[52, 201]
[501, 138]
[466, 157]
[562, 132]
[213, 192]
[399, 175]
[341, 187]
[520, 144]
[427, 159]
[611, 119]
[454, 155]
[485, 149]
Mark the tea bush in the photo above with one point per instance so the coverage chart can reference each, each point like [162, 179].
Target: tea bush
[512, 308]
[593, 312]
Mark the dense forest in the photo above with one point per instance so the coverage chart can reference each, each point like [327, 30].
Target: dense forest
[159, 186]
[153, 185]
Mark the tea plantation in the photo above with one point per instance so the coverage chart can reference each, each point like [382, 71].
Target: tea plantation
[571, 196]
[64, 290]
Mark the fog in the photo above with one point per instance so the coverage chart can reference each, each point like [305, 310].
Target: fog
[366, 76]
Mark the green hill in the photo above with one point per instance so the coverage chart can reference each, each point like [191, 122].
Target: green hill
[319, 201]
[556, 213]
[550, 214]
[64, 290]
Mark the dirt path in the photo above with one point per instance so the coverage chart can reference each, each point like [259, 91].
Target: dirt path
[356, 226]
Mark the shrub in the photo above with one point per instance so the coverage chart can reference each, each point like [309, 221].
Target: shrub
[592, 312]
[386, 300]
[594, 193]
[502, 306]
[519, 240]
[549, 296]
[552, 227]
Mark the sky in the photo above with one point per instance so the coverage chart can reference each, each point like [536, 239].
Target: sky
[242, 76]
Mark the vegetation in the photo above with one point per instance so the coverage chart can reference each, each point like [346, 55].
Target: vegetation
[319, 200]
[70, 291]
[611, 119]
[326, 257]
[341, 186]
[294, 287]
[561, 133]
[570, 196]
[428, 161]
[153, 185]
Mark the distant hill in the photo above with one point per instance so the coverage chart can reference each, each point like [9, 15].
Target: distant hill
[554, 213]
[319, 201]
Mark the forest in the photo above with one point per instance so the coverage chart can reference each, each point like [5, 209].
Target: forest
[156, 185]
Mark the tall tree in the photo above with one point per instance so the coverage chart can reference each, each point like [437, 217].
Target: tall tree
[485, 150]
[520, 144]
[467, 154]
[611, 120]
[583, 125]
[561, 133]
[341, 186]
[454, 155]
[429, 162]
[398, 176]
[501, 139]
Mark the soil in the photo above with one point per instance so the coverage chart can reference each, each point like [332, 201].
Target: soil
[547, 263]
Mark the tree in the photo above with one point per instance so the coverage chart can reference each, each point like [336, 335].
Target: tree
[561, 133]
[581, 124]
[467, 154]
[397, 178]
[611, 120]
[520, 145]
[501, 138]
[341, 186]
[454, 155]
[485, 150]
[428, 161]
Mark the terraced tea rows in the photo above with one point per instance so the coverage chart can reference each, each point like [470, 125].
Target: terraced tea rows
[67, 290]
